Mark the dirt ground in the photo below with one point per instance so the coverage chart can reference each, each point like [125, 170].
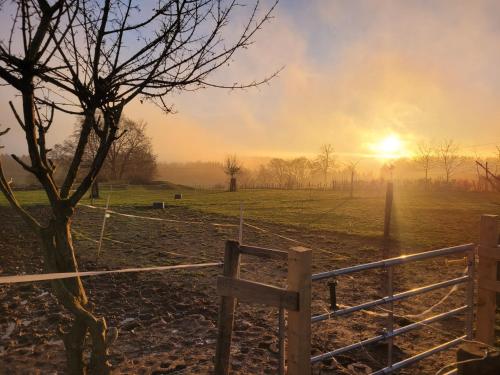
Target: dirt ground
[167, 320]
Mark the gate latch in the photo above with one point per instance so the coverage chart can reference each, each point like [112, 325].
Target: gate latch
[333, 294]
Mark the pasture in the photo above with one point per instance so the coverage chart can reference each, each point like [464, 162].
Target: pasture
[420, 219]
[167, 320]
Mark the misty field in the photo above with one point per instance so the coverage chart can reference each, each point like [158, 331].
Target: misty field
[420, 220]
[167, 320]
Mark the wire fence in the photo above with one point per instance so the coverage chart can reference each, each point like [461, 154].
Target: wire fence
[391, 332]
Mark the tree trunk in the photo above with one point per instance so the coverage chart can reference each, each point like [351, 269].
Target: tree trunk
[74, 343]
[232, 185]
[59, 256]
[94, 190]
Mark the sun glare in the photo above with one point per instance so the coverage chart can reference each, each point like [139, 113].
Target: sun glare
[390, 147]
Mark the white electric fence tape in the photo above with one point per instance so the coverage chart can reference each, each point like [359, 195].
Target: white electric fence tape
[329, 252]
[66, 275]
[157, 218]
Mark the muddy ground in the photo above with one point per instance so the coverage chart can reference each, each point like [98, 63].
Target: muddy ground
[167, 320]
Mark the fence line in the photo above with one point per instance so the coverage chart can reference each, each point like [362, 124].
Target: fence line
[329, 252]
[390, 333]
[67, 275]
[158, 218]
[107, 238]
[338, 256]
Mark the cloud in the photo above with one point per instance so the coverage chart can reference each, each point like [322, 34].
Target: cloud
[419, 69]
[355, 72]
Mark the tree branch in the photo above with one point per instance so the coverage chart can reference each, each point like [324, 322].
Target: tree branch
[24, 165]
[9, 194]
[16, 115]
[77, 157]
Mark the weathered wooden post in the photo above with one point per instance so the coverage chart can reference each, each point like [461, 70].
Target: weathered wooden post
[94, 190]
[281, 341]
[299, 322]
[226, 310]
[488, 284]
[388, 209]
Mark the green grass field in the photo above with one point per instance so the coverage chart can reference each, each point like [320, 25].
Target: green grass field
[420, 220]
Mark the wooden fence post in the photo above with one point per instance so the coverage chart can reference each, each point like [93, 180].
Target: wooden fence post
[299, 322]
[488, 286]
[388, 209]
[226, 310]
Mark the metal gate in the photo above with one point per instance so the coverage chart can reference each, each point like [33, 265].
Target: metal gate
[390, 298]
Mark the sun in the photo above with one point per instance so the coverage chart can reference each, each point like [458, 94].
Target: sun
[390, 147]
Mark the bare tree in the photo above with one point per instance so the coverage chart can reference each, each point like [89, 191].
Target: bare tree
[130, 156]
[424, 157]
[279, 170]
[132, 148]
[326, 161]
[450, 158]
[351, 168]
[92, 58]
[232, 167]
[298, 171]
[264, 176]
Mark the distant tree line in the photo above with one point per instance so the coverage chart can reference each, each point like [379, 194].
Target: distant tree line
[440, 166]
[451, 166]
[130, 159]
[437, 166]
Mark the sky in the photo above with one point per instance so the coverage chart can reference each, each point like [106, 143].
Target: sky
[355, 74]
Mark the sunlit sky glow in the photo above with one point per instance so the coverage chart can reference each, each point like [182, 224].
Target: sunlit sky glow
[390, 147]
[372, 78]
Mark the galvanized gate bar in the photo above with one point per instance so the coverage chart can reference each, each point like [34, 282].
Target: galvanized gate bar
[418, 357]
[396, 297]
[396, 332]
[395, 261]
[390, 298]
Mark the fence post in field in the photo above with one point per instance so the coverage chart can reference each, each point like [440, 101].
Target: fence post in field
[388, 209]
[226, 310]
[488, 284]
[299, 322]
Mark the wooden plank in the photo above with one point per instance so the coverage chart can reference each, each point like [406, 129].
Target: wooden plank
[253, 292]
[281, 341]
[488, 284]
[226, 311]
[487, 271]
[263, 252]
[299, 322]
